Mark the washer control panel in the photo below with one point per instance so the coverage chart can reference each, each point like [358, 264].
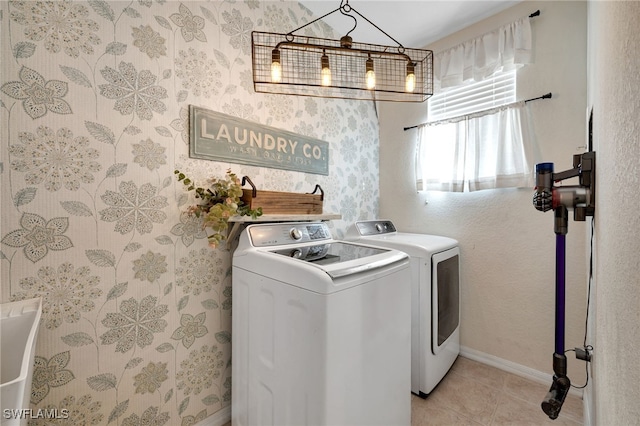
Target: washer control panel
[277, 234]
[375, 227]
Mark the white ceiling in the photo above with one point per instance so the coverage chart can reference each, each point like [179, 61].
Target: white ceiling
[413, 23]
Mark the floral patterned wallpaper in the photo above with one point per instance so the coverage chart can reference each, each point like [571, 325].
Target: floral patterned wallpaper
[94, 96]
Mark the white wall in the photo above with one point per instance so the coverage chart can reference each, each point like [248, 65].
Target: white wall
[614, 91]
[508, 247]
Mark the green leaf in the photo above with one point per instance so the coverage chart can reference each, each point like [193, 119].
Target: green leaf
[24, 49]
[183, 303]
[133, 363]
[102, 382]
[167, 288]
[183, 406]
[76, 76]
[117, 290]
[223, 337]
[131, 247]
[102, 258]
[165, 347]
[164, 240]
[100, 132]
[118, 411]
[76, 208]
[210, 304]
[210, 399]
[77, 339]
[24, 196]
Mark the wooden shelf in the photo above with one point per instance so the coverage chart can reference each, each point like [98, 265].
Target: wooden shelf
[236, 222]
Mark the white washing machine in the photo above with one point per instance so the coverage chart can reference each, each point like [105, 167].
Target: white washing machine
[320, 329]
[435, 297]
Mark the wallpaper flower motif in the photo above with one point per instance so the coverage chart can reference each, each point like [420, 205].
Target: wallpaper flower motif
[61, 24]
[66, 293]
[182, 125]
[151, 377]
[189, 229]
[149, 417]
[198, 73]
[38, 236]
[193, 420]
[135, 324]
[38, 95]
[200, 369]
[149, 41]
[55, 158]
[134, 208]
[49, 373]
[190, 328]
[238, 29]
[133, 92]
[149, 154]
[197, 272]
[150, 266]
[81, 412]
[190, 25]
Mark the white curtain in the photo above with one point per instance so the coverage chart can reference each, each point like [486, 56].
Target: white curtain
[500, 50]
[491, 149]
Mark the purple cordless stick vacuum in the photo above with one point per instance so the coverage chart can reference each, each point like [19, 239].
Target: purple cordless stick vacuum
[580, 198]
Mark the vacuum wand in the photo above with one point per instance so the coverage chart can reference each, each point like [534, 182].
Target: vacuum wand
[581, 199]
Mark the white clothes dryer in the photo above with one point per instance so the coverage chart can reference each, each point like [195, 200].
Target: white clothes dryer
[435, 297]
[320, 329]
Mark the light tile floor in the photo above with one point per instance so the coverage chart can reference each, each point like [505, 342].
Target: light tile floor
[477, 394]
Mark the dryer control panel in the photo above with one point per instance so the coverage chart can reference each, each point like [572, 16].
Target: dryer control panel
[375, 227]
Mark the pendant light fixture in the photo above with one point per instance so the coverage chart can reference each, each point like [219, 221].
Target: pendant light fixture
[289, 64]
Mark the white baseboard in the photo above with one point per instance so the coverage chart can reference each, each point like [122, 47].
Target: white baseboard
[513, 368]
[219, 418]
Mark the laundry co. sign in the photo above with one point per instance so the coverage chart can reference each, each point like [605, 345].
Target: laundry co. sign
[221, 137]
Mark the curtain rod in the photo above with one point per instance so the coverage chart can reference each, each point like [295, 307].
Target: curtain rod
[536, 13]
[547, 96]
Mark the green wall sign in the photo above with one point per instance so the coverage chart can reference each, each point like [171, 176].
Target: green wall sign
[221, 137]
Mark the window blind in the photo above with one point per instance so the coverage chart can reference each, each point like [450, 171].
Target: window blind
[494, 91]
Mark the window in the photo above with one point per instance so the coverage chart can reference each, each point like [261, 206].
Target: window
[477, 138]
[495, 91]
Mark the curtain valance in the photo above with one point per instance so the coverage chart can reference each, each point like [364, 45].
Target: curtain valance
[502, 49]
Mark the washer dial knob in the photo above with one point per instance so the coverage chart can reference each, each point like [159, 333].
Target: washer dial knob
[295, 234]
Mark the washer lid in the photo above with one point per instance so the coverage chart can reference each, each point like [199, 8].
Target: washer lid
[340, 259]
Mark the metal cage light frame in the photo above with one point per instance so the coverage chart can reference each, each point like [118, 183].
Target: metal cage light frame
[311, 66]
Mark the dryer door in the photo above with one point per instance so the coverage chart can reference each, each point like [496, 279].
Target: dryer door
[445, 267]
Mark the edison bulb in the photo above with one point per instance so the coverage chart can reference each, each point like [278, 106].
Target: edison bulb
[276, 72]
[276, 68]
[326, 77]
[325, 74]
[371, 80]
[370, 76]
[410, 83]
